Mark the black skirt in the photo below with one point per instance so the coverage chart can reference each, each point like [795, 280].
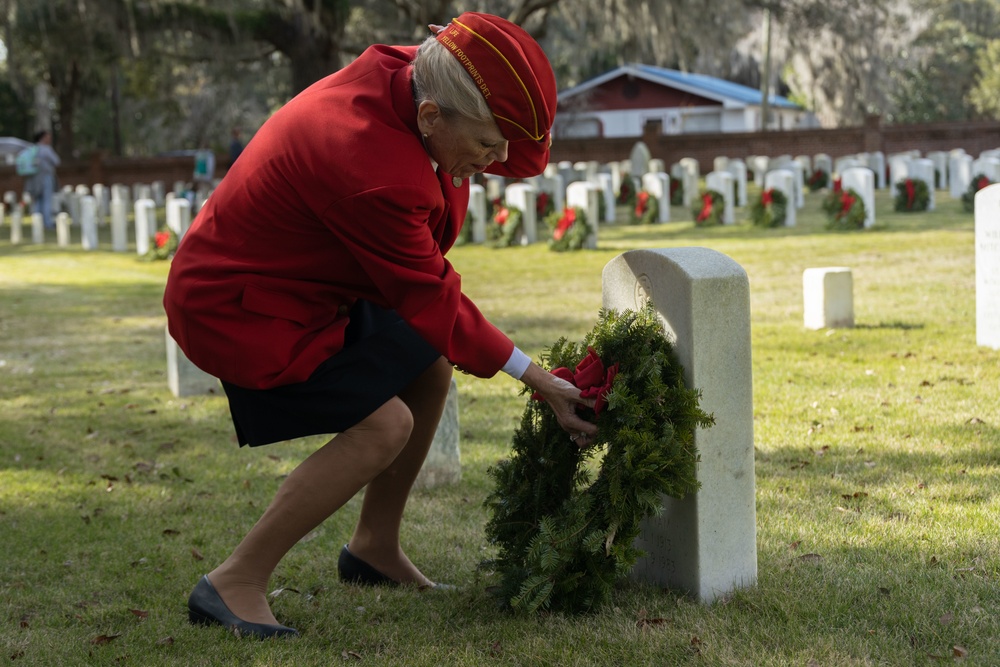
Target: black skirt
[382, 355]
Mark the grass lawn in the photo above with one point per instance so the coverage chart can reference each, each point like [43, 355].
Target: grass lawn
[877, 461]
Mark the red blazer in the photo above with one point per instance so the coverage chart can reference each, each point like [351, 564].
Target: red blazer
[334, 200]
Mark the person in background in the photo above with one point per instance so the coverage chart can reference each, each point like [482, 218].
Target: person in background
[235, 145]
[42, 184]
[314, 284]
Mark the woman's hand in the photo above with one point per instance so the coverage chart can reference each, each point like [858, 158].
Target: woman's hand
[563, 398]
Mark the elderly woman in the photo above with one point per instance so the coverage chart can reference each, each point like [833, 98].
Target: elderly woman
[314, 285]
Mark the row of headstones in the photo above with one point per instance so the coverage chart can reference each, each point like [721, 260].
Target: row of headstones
[88, 211]
[952, 170]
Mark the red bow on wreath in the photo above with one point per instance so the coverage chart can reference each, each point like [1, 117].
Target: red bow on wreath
[911, 193]
[846, 202]
[767, 196]
[161, 239]
[837, 187]
[501, 217]
[641, 202]
[565, 222]
[706, 207]
[541, 203]
[982, 183]
[590, 377]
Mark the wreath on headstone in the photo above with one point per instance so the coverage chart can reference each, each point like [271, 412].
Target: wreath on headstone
[969, 196]
[544, 205]
[770, 209]
[504, 226]
[564, 536]
[912, 194]
[676, 192]
[831, 202]
[708, 208]
[163, 246]
[569, 229]
[626, 192]
[818, 180]
[646, 210]
[847, 212]
[465, 233]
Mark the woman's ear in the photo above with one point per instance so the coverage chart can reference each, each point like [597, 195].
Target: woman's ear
[428, 117]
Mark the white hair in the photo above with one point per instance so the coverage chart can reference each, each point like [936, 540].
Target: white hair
[439, 77]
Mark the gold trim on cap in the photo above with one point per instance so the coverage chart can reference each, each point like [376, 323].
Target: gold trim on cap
[531, 103]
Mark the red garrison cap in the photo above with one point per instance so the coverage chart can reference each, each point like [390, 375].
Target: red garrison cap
[515, 77]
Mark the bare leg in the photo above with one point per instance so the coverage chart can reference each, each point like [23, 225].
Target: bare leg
[376, 537]
[317, 488]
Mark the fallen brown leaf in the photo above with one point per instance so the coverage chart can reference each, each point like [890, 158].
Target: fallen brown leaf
[959, 652]
[196, 554]
[100, 640]
[140, 613]
[166, 641]
[810, 558]
[946, 618]
[345, 654]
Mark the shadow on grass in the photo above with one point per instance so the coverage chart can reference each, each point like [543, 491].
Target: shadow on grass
[903, 326]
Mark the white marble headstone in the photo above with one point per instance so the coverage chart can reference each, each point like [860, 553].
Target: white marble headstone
[523, 196]
[88, 222]
[443, 464]
[738, 168]
[582, 194]
[722, 182]
[784, 181]
[862, 181]
[704, 544]
[658, 185]
[828, 298]
[987, 207]
[960, 174]
[923, 169]
[477, 205]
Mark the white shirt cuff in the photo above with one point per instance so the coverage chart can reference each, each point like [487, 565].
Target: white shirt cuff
[517, 364]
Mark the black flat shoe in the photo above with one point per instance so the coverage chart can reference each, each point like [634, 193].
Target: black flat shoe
[353, 570]
[205, 607]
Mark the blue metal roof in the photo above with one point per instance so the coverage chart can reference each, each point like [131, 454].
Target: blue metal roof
[700, 84]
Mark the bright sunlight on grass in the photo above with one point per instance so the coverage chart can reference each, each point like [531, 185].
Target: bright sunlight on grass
[877, 461]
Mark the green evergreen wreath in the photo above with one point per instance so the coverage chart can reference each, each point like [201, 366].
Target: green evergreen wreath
[912, 195]
[646, 210]
[504, 226]
[818, 180]
[676, 192]
[848, 212]
[569, 229]
[969, 196]
[465, 233]
[163, 245]
[708, 208]
[770, 209]
[563, 537]
[626, 192]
